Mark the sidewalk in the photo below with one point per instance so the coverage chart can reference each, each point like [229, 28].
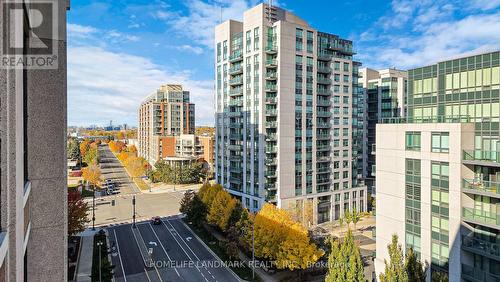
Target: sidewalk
[84, 268]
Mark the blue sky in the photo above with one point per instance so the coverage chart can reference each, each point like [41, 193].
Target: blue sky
[120, 51]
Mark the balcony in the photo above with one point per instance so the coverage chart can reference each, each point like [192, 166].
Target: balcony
[323, 103]
[235, 169]
[323, 92]
[271, 75]
[234, 148]
[323, 159]
[374, 169]
[270, 150]
[481, 217]
[323, 114]
[235, 125]
[323, 125]
[322, 136]
[236, 56]
[374, 149]
[236, 136]
[236, 92]
[482, 247]
[271, 112]
[235, 180]
[236, 102]
[271, 124]
[271, 186]
[235, 158]
[272, 161]
[271, 49]
[324, 56]
[475, 274]
[323, 181]
[345, 49]
[270, 174]
[271, 63]
[236, 80]
[476, 186]
[271, 137]
[324, 69]
[234, 114]
[324, 80]
[236, 70]
[323, 148]
[271, 88]
[480, 157]
[271, 100]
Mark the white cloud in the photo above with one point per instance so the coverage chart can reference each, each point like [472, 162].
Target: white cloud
[76, 30]
[485, 4]
[105, 86]
[201, 19]
[193, 49]
[427, 33]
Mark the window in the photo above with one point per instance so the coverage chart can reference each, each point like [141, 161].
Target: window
[440, 142]
[248, 36]
[224, 50]
[346, 66]
[413, 141]
[299, 39]
[256, 38]
[218, 52]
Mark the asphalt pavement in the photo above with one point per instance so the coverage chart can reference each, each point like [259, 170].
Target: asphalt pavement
[111, 168]
[169, 251]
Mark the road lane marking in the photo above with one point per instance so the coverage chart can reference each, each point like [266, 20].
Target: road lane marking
[154, 232]
[119, 256]
[180, 245]
[137, 242]
[209, 250]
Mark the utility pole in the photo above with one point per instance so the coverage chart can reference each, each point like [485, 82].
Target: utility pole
[133, 204]
[100, 266]
[93, 206]
[253, 249]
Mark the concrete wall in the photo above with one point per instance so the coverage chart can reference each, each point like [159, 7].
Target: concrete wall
[390, 164]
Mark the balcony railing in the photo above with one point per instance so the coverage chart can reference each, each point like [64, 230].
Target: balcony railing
[324, 80]
[323, 159]
[271, 63]
[272, 100]
[322, 136]
[323, 114]
[234, 114]
[483, 247]
[271, 49]
[374, 149]
[236, 92]
[324, 69]
[236, 56]
[235, 81]
[430, 119]
[236, 69]
[473, 185]
[271, 124]
[271, 75]
[323, 103]
[324, 56]
[477, 275]
[271, 87]
[482, 156]
[325, 92]
[271, 112]
[480, 216]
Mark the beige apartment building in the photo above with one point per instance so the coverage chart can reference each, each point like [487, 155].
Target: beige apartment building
[288, 117]
[33, 184]
[165, 113]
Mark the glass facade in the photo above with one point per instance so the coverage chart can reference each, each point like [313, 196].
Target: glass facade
[413, 188]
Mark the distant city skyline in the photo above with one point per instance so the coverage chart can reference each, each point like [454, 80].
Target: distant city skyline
[118, 53]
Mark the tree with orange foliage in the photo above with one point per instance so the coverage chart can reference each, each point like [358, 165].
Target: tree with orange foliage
[92, 174]
[281, 239]
[132, 149]
[84, 147]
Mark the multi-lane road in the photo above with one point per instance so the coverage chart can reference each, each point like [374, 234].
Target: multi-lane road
[166, 252]
[111, 168]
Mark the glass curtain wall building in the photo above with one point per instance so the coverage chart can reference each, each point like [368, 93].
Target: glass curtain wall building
[450, 137]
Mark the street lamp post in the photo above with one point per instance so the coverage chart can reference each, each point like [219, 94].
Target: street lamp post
[253, 249]
[100, 266]
[133, 216]
[93, 206]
